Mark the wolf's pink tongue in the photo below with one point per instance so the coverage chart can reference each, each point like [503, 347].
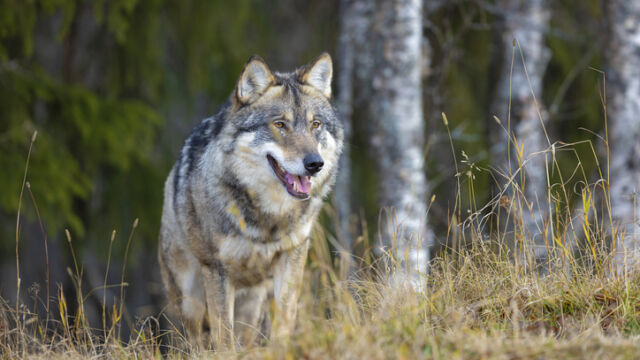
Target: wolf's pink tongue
[289, 178]
[304, 183]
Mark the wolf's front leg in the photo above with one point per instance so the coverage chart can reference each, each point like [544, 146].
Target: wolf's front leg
[249, 307]
[220, 301]
[287, 282]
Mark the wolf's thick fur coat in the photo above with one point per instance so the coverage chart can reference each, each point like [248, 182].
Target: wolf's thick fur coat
[237, 212]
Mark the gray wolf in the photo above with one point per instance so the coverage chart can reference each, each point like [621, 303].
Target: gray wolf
[240, 202]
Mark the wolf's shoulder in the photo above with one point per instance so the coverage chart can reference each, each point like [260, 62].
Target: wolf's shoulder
[201, 136]
[195, 144]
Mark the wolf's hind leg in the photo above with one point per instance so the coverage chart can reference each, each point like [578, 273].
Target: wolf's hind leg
[183, 281]
[220, 301]
[192, 303]
[250, 304]
[193, 314]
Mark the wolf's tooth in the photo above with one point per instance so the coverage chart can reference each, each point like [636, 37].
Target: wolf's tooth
[295, 187]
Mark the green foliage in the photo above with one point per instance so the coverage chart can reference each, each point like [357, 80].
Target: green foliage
[98, 80]
[80, 133]
[95, 90]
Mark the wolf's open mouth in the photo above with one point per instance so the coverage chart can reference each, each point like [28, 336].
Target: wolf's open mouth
[298, 186]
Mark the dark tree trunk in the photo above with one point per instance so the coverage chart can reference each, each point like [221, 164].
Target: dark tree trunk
[353, 27]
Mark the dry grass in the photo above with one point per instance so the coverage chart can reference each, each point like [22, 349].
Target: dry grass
[476, 304]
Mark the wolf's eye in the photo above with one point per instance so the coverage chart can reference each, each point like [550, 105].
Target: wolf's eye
[278, 124]
[316, 124]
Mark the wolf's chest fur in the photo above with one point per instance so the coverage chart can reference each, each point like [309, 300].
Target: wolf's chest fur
[243, 224]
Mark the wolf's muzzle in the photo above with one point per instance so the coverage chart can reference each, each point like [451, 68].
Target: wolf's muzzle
[313, 163]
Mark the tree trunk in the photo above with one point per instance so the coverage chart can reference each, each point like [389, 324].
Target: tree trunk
[524, 22]
[353, 27]
[623, 109]
[397, 137]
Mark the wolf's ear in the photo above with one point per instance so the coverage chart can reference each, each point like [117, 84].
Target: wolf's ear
[318, 74]
[254, 80]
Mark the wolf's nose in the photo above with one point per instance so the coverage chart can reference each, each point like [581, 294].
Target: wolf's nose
[313, 163]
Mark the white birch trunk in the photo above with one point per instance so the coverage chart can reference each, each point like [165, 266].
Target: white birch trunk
[397, 139]
[526, 21]
[623, 108]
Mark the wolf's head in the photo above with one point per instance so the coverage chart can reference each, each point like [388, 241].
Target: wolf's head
[287, 135]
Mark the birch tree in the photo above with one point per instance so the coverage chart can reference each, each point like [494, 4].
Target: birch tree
[623, 109]
[397, 138]
[524, 61]
[380, 62]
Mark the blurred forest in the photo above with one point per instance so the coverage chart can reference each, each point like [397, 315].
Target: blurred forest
[113, 88]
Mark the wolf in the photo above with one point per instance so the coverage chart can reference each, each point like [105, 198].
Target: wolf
[241, 200]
